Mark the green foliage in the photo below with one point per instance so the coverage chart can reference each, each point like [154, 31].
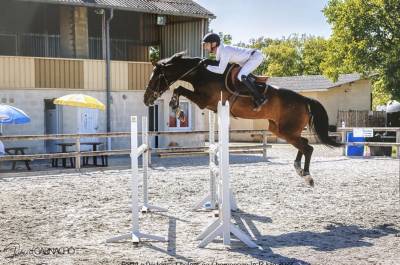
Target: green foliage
[284, 59]
[314, 54]
[211, 56]
[365, 39]
[225, 38]
[260, 44]
[379, 94]
[154, 54]
[295, 55]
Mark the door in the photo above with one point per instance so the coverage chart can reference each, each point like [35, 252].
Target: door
[88, 122]
[52, 123]
[153, 124]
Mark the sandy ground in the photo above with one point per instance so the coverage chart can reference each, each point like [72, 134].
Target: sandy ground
[351, 216]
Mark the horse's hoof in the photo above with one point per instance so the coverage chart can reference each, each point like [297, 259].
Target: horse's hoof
[181, 116]
[309, 180]
[172, 104]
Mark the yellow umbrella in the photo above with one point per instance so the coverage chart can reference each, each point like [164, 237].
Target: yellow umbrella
[80, 100]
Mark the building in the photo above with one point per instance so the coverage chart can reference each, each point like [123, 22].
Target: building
[350, 92]
[50, 48]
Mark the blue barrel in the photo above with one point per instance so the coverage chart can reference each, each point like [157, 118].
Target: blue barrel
[356, 150]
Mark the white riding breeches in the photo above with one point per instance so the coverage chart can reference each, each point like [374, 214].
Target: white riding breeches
[254, 61]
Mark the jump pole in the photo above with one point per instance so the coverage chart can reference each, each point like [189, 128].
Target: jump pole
[136, 152]
[223, 227]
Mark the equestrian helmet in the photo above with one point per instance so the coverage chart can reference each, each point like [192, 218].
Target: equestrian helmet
[212, 37]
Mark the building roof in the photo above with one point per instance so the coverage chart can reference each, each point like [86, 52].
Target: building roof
[166, 7]
[311, 82]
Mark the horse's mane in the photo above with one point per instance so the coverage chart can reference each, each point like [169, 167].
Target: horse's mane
[203, 74]
[175, 57]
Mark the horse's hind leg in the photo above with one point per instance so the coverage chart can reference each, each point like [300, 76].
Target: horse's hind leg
[307, 155]
[304, 148]
[297, 163]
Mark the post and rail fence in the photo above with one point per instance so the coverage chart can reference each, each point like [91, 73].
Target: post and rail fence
[255, 148]
[78, 154]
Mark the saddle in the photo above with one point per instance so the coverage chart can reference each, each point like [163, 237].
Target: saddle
[234, 86]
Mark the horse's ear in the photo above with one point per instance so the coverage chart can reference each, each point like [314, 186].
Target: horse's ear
[154, 63]
[179, 55]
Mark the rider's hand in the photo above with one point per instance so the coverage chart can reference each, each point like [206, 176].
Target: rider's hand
[203, 62]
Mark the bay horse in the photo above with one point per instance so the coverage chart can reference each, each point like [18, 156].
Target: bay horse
[287, 111]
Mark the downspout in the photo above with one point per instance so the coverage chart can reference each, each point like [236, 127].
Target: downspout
[201, 37]
[108, 75]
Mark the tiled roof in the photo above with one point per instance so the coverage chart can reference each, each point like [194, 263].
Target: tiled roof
[311, 82]
[168, 7]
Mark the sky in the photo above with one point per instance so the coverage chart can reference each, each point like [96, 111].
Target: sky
[247, 19]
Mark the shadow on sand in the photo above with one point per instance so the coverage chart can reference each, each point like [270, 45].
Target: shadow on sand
[336, 236]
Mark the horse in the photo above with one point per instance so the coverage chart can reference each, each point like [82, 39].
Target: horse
[288, 112]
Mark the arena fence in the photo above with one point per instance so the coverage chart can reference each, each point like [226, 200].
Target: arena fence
[170, 151]
[77, 154]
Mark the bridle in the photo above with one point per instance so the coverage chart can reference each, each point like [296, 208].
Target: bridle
[162, 76]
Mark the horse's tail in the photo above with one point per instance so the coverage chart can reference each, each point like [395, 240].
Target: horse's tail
[319, 122]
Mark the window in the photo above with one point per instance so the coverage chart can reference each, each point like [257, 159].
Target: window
[174, 122]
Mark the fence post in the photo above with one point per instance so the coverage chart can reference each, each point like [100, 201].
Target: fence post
[78, 155]
[398, 141]
[344, 142]
[265, 142]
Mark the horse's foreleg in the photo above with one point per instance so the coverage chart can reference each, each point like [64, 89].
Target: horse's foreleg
[174, 102]
[192, 96]
[199, 99]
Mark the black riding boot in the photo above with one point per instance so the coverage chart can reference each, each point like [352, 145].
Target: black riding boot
[259, 99]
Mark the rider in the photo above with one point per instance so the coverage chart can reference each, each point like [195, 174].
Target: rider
[248, 59]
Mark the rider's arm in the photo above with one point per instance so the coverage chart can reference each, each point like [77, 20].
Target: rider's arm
[223, 63]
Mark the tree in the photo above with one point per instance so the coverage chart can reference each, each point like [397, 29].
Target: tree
[259, 44]
[283, 59]
[154, 54]
[294, 55]
[314, 54]
[225, 38]
[365, 39]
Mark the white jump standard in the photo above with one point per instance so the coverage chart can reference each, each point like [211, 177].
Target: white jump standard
[223, 227]
[211, 201]
[145, 161]
[136, 152]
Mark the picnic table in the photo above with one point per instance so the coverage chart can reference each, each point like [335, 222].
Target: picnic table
[94, 145]
[17, 151]
[94, 148]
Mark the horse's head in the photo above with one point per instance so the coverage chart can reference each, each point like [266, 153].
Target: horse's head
[166, 72]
